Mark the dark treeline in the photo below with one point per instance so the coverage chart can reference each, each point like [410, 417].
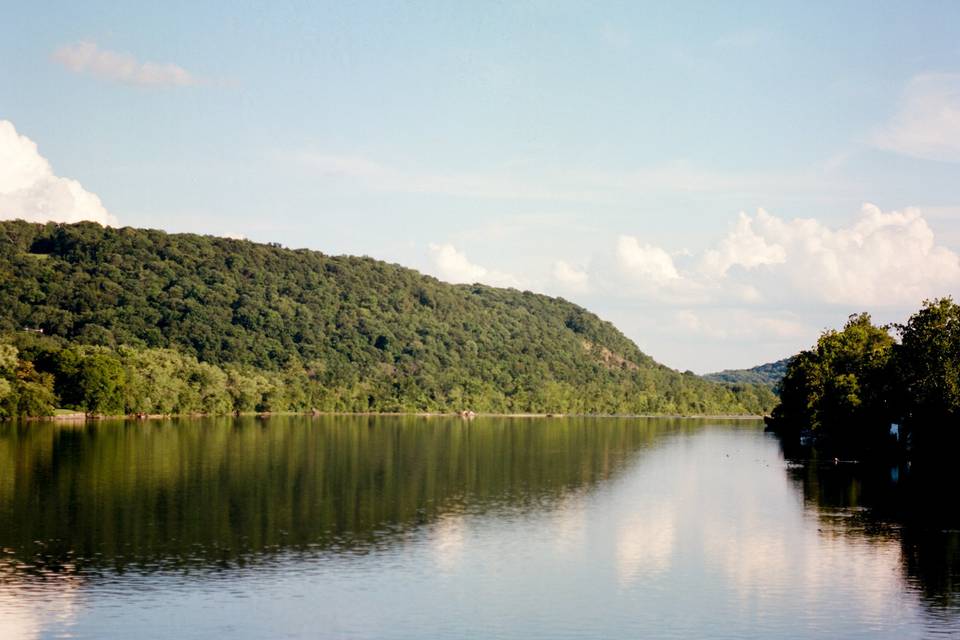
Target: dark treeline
[856, 383]
[144, 321]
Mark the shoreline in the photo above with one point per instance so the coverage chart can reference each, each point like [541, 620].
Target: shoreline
[82, 417]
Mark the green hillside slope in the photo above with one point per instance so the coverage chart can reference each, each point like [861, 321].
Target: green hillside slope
[769, 374]
[347, 333]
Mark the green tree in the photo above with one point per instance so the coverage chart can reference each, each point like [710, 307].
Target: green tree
[841, 389]
[8, 366]
[210, 385]
[928, 371]
[155, 380]
[101, 381]
[23, 390]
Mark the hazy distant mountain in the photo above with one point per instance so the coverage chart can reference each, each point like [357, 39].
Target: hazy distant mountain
[768, 374]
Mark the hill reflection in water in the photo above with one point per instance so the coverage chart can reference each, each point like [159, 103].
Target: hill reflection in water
[220, 492]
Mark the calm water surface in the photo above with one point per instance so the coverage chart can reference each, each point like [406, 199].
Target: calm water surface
[438, 528]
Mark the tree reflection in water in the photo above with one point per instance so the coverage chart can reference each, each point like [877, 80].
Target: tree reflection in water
[917, 510]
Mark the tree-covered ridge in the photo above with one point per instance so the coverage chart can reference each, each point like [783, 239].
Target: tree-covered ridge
[353, 333]
[769, 374]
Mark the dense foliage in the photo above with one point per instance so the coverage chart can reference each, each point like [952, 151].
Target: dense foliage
[927, 375]
[144, 321]
[769, 374]
[855, 383]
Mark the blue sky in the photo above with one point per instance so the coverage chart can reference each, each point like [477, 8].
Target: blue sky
[599, 151]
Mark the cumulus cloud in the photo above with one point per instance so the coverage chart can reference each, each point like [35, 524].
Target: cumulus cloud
[87, 57]
[645, 272]
[742, 247]
[30, 190]
[645, 262]
[453, 266]
[927, 124]
[571, 278]
[879, 259]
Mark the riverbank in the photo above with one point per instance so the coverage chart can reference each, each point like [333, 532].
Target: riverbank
[81, 417]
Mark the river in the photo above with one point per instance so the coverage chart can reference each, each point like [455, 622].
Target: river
[409, 527]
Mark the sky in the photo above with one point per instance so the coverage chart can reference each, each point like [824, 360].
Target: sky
[722, 181]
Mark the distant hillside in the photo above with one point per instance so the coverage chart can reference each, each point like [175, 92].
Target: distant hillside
[347, 333]
[769, 374]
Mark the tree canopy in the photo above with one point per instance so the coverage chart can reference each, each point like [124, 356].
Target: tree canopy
[928, 377]
[855, 383]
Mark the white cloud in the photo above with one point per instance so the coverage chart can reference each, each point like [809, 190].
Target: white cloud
[742, 247]
[880, 259]
[87, 57]
[741, 324]
[29, 189]
[645, 262]
[927, 124]
[571, 278]
[453, 266]
[646, 273]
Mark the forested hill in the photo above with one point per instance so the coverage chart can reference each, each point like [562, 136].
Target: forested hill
[769, 374]
[283, 329]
